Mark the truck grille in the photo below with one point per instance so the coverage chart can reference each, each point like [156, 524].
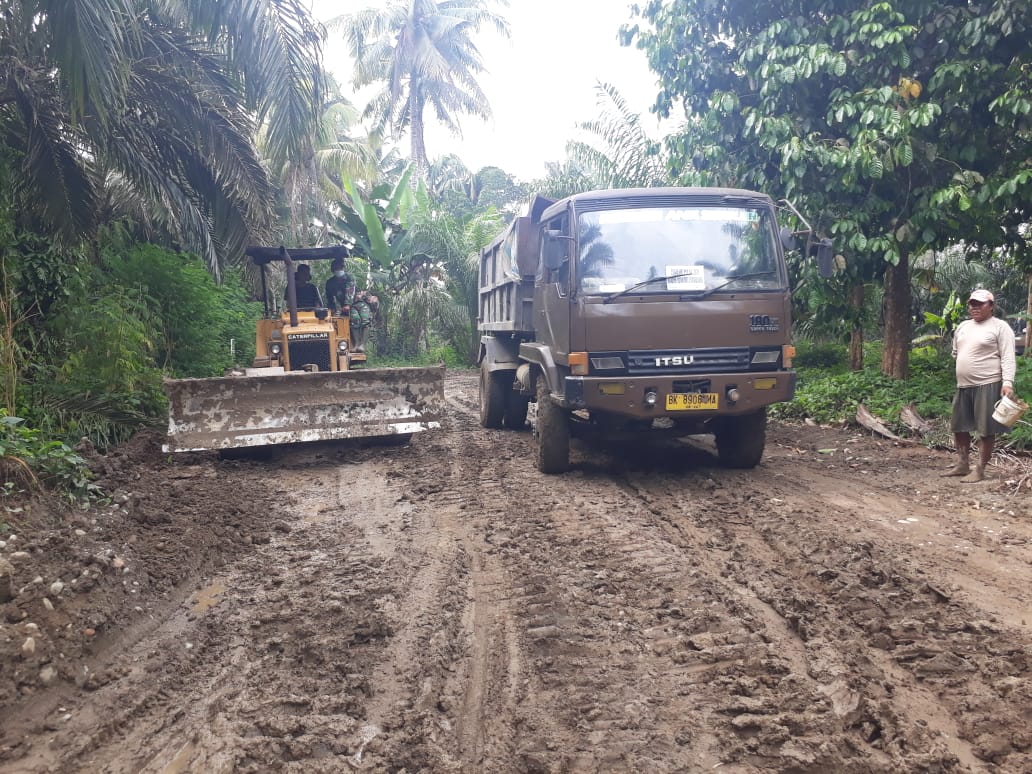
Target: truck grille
[690, 361]
[302, 353]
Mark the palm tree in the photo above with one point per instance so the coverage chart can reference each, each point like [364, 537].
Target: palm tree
[154, 106]
[628, 158]
[422, 51]
[314, 187]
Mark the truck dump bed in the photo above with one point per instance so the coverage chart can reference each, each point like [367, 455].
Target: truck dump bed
[507, 269]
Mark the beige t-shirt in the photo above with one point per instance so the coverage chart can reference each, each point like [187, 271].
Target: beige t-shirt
[984, 352]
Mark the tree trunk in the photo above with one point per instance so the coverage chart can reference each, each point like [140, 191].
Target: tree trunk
[9, 370]
[1028, 321]
[418, 129]
[856, 335]
[896, 349]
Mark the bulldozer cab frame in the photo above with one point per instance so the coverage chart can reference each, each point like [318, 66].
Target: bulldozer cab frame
[301, 340]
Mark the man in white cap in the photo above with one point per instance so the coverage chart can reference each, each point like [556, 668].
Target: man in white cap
[984, 349]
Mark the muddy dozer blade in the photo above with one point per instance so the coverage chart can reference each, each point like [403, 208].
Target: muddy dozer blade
[241, 411]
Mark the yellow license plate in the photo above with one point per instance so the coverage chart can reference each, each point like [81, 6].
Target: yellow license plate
[692, 401]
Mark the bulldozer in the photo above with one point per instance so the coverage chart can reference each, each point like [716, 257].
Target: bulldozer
[308, 382]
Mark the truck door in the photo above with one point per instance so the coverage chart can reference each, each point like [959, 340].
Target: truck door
[552, 289]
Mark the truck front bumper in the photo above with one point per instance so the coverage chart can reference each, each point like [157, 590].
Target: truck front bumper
[646, 397]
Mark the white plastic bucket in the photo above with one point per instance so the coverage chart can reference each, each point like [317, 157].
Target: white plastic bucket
[1009, 410]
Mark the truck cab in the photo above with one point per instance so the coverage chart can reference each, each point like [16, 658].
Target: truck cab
[649, 310]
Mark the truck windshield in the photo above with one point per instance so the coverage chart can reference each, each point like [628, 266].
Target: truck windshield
[696, 249]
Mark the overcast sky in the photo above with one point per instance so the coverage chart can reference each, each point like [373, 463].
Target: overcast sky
[540, 82]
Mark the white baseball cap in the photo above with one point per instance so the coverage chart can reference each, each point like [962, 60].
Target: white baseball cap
[981, 294]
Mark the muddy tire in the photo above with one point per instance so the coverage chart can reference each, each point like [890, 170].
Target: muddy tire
[516, 406]
[740, 439]
[553, 433]
[492, 397]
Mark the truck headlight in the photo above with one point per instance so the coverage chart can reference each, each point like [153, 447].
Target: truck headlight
[342, 346]
[275, 349]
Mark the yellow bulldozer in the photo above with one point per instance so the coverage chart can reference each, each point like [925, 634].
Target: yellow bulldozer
[307, 381]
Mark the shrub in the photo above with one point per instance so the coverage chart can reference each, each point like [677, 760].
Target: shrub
[829, 396]
[821, 355]
[26, 456]
[194, 319]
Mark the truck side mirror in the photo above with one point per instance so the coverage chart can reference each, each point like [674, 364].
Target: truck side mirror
[825, 258]
[554, 250]
[788, 240]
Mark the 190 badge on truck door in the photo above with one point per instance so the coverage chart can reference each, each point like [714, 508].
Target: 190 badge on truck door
[764, 323]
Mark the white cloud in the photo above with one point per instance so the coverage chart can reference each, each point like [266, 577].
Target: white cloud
[540, 82]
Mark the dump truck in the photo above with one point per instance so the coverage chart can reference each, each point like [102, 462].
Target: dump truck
[624, 313]
[307, 382]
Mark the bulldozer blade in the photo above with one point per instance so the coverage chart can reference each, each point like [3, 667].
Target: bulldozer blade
[294, 407]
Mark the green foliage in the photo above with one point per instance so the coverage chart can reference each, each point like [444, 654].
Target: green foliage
[946, 322]
[896, 126]
[97, 345]
[192, 319]
[439, 355]
[618, 152]
[26, 456]
[830, 396]
[100, 380]
[420, 54]
[821, 355]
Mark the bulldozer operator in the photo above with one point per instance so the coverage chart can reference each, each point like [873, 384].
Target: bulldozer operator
[307, 294]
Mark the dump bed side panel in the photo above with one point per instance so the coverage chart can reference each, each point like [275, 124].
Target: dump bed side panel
[507, 270]
[242, 411]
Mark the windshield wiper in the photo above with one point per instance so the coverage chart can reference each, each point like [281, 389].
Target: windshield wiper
[703, 294]
[728, 280]
[636, 286]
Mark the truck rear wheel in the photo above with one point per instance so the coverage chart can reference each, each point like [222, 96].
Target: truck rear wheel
[553, 433]
[492, 397]
[740, 439]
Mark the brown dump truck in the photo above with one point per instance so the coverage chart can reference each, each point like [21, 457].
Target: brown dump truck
[637, 311]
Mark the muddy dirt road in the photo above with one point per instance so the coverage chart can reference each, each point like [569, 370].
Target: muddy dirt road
[443, 607]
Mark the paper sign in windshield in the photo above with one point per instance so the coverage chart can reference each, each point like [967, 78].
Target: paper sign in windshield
[686, 278]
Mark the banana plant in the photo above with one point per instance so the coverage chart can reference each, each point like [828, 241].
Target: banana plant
[945, 323]
[373, 222]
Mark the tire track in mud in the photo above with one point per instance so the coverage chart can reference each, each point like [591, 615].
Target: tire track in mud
[619, 698]
[641, 627]
[472, 493]
[895, 701]
[846, 704]
[287, 668]
[442, 694]
[445, 607]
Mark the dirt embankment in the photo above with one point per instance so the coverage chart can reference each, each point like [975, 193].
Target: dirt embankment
[444, 607]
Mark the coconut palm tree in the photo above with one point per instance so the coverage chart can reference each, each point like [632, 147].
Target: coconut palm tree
[423, 54]
[154, 105]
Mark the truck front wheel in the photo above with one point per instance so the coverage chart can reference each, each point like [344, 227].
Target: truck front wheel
[492, 397]
[553, 433]
[740, 439]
